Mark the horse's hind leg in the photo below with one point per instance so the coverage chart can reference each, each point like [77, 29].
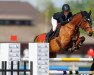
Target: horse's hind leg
[52, 55]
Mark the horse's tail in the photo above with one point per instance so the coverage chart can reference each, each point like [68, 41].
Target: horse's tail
[35, 38]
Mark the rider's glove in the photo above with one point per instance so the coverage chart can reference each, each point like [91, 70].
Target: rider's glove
[68, 20]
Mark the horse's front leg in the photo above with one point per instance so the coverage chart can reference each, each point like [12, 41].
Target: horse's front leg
[79, 42]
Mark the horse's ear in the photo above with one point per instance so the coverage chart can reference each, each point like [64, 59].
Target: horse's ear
[90, 12]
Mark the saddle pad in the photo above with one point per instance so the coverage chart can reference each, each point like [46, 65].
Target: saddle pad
[42, 37]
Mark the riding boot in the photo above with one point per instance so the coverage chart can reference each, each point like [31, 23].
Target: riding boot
[57, 32]
[49, 34]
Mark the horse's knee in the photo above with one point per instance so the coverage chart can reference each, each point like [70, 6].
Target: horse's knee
[82, 39]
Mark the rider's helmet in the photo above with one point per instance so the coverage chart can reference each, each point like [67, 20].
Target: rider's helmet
[65, 7]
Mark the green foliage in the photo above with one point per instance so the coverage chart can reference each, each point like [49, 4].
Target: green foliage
[85, 5]
[47, 7]
[76, 6]
[50, 9]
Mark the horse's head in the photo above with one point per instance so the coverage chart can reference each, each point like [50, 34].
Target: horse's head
[86, 22]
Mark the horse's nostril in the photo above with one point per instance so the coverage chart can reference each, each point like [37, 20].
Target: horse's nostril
[90, 34]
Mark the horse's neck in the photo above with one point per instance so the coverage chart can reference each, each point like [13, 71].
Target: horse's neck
[76, 19]
[70, 26]
[73, 24]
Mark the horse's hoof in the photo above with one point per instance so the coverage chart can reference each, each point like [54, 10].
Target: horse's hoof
[71, 51]
[82, 39]
[76, 50]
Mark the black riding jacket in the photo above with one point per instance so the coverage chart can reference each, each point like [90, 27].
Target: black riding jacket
[61, 18]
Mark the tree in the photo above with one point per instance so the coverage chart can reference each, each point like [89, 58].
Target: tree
[85, 5]
[47, 7]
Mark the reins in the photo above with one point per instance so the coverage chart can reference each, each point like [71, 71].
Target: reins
[84, 28]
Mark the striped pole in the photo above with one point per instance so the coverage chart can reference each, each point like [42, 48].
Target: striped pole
[70, 72]
[72, 59]
[68, 68]
[64, 68]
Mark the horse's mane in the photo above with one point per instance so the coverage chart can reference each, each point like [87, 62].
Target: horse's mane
[82, 12]
[78, 13]
[85, 14]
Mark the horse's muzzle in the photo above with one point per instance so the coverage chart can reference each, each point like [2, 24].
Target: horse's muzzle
[90, 33]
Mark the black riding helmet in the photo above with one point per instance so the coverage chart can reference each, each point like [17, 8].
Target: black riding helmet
[65, 7]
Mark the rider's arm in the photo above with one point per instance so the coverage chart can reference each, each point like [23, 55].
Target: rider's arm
[58, 16]
[68, 20]
[62, 22]
[70, 14]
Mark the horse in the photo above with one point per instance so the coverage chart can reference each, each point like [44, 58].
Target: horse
[69, 31]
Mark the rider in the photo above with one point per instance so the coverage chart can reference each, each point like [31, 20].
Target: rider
[61, 18]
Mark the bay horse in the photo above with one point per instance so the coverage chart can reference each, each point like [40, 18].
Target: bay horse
[68, 32]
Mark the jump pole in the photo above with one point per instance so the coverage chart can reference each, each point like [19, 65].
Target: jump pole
[70, 72]
[72, 59]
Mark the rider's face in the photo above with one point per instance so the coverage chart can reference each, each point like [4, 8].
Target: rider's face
[66, 12]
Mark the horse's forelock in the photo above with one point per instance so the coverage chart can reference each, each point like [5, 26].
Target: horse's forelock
[85, 14]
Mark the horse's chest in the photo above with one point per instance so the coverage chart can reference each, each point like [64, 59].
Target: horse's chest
[66, 34]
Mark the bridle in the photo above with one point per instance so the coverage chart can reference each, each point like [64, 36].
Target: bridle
[84, 28]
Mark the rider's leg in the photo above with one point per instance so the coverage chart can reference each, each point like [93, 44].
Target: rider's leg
[57, 32]
[49, 35]
[54, 25]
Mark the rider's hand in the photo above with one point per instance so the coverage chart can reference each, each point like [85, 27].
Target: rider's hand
[68, 20]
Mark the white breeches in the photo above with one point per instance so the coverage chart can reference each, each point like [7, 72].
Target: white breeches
[54, 23]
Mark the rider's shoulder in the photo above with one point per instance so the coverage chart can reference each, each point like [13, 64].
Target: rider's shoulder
[57, 13]
[70, 12]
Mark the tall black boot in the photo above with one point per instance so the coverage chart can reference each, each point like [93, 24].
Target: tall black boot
[49, 34]
[57, 32]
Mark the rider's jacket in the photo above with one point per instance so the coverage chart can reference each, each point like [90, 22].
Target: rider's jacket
[61, 18]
